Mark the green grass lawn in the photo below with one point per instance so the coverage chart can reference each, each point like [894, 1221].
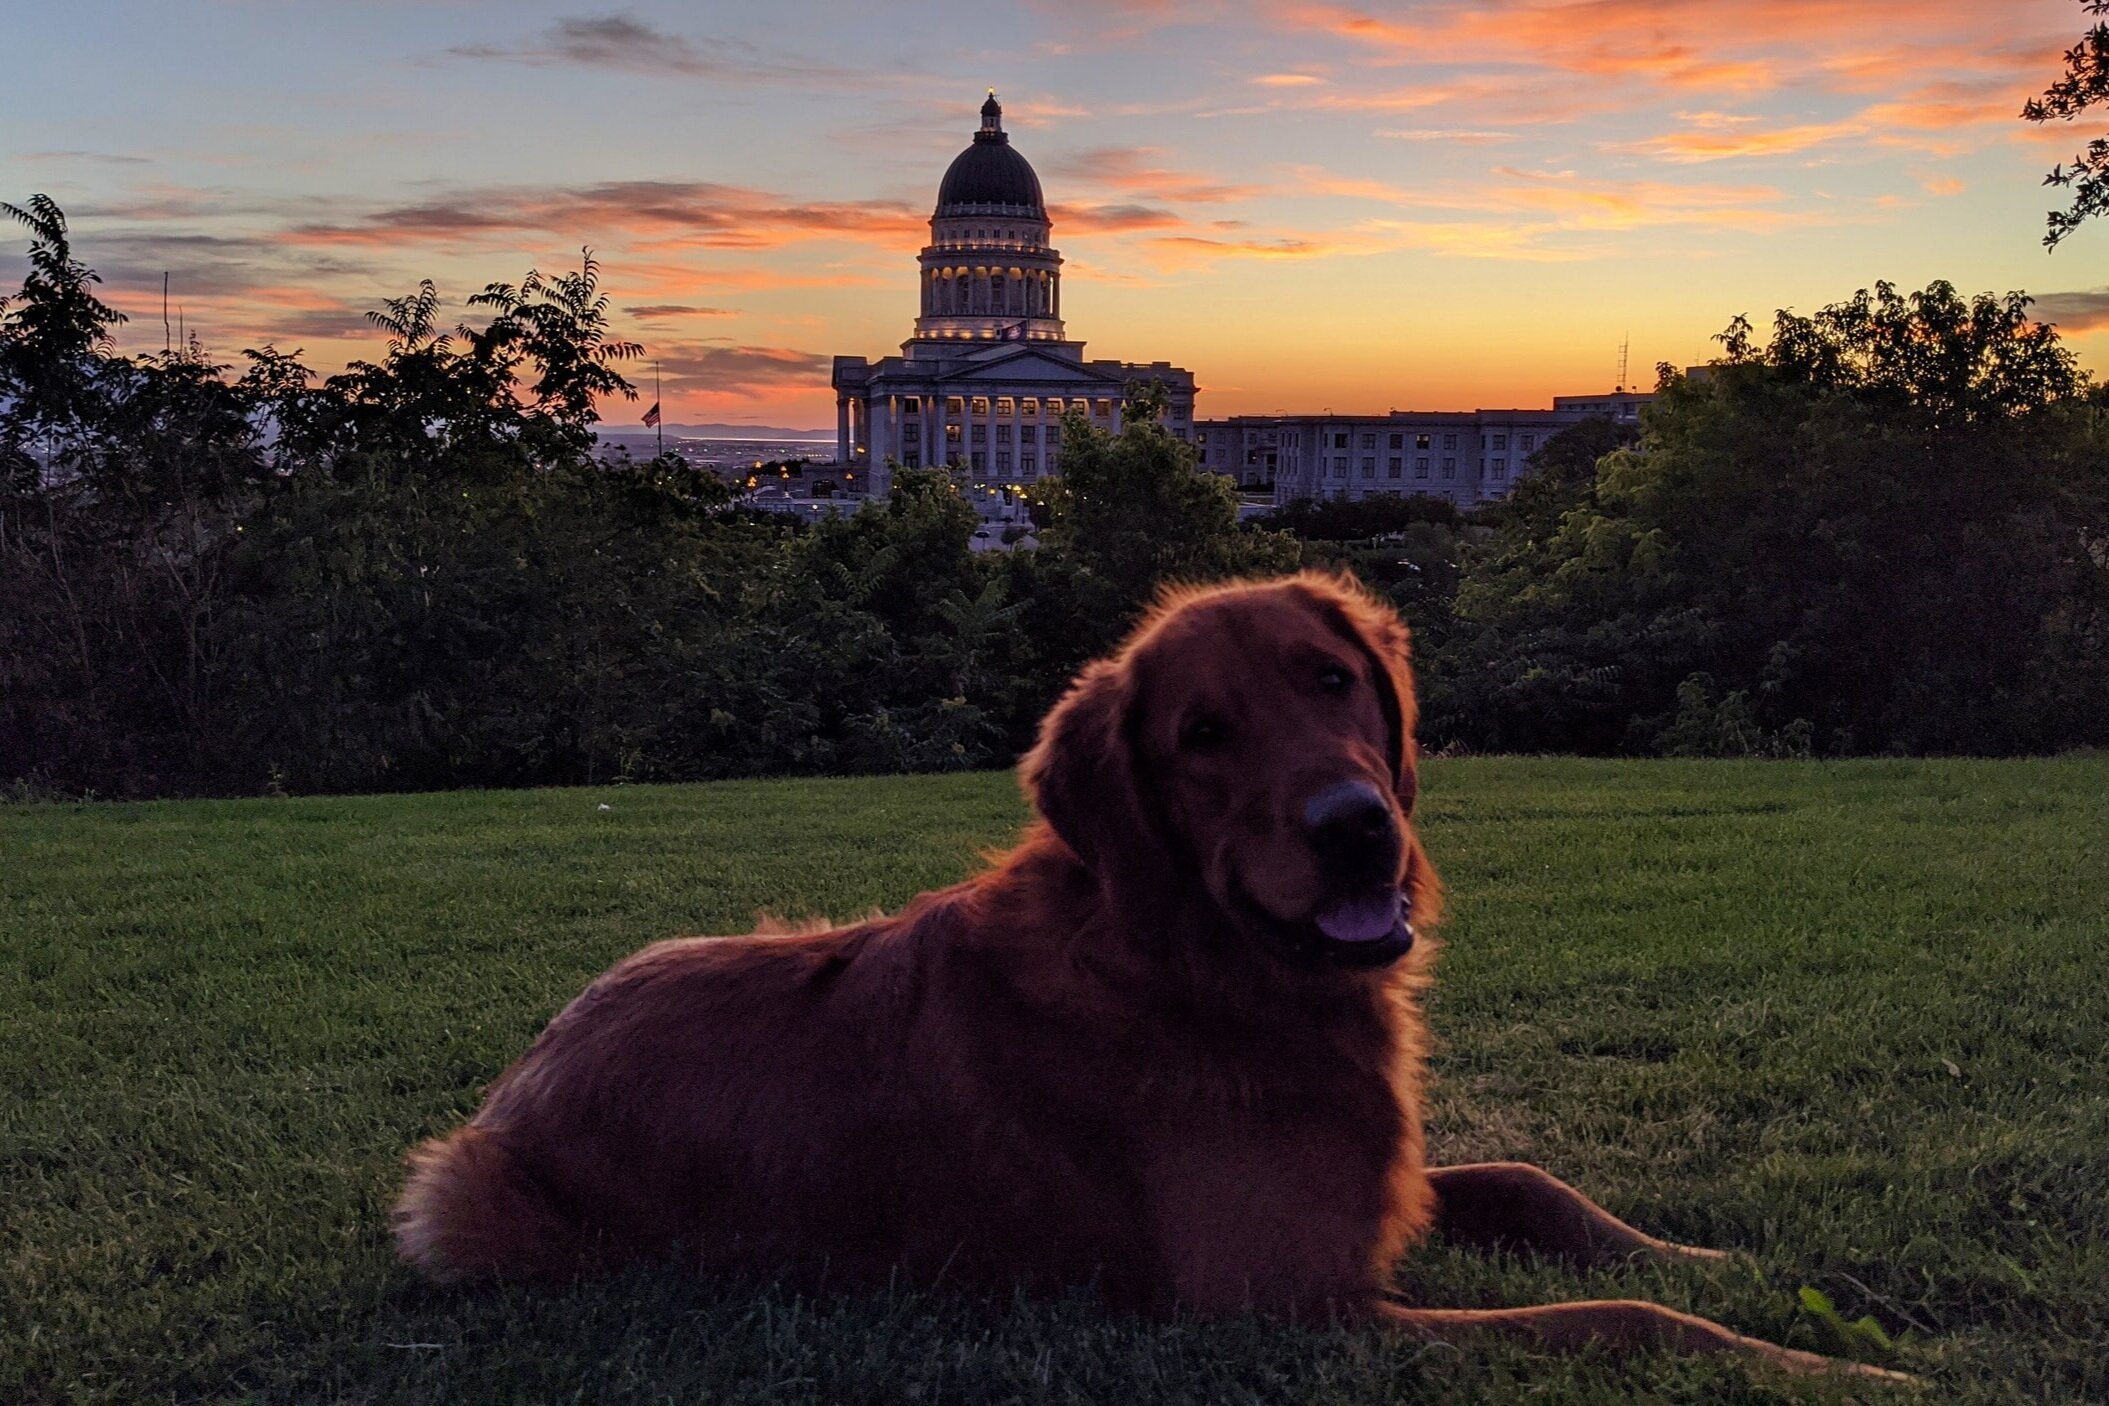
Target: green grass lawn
[1849, 1018]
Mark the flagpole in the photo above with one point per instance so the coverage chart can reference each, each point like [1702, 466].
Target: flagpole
[659, 405]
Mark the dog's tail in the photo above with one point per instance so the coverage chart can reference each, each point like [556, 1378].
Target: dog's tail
[470, 1211]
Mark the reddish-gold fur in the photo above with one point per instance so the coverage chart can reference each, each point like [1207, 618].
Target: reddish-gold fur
[1091, 1063]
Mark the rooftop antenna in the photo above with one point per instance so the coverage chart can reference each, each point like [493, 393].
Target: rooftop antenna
[1624, 347]
[167, 345]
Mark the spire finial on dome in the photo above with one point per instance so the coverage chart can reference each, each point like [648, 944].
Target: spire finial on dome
[991, 117]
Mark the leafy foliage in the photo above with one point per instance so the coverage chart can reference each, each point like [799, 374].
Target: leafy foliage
[1885, 529]
[2085, 83]
[421, 573]
[1879, 531]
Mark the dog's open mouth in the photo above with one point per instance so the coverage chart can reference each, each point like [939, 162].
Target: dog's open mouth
[1369, 929]
[1365, 930]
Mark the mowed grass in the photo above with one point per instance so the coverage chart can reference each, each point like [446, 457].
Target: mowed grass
[1850, 1019]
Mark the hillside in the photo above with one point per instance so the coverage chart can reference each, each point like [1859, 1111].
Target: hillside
[1846, 1018]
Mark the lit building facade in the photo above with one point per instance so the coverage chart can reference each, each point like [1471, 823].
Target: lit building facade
[1467, 457]
[985, 380]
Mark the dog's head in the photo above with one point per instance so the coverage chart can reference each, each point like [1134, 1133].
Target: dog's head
[1251, 744]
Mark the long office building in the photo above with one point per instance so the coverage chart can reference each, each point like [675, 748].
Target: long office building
[1467, 456]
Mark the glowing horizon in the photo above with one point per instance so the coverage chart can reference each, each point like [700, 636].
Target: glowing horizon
[1445, 205]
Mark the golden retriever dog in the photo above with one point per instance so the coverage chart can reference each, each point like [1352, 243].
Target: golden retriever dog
[1171, 1044]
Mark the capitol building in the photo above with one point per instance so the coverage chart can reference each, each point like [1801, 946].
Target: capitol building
[985, 379]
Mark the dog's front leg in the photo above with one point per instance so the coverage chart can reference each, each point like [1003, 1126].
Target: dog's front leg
[1624, 1325]
[1515, 1206]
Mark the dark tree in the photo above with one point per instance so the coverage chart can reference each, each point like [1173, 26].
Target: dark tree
[2086, 83]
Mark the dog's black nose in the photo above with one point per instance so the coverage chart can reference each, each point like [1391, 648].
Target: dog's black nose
[1354, 829]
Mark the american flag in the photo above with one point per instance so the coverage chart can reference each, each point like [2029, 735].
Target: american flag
[651, 417]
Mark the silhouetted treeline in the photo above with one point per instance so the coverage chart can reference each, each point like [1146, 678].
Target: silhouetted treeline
[1887, 529]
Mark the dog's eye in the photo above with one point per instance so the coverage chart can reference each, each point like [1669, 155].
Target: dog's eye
[1334, 679]
[1204, 733]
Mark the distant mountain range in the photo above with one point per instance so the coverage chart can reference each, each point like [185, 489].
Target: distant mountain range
[717, 431]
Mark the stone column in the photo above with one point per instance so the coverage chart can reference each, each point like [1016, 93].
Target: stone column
[842, 429]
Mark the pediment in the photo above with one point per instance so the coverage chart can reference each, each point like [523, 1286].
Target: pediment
[1027, 365]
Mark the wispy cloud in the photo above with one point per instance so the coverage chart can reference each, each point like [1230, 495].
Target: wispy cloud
[700, 372]
[661, 214]
[1454, 136]
[1143, 168]
[626, 44]
[1569, 201]
[659, 312]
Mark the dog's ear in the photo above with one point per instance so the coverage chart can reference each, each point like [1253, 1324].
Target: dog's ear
[1082, 774]
[1376, 628]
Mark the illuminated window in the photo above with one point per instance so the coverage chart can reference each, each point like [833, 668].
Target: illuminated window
[1420, 441]
[1006, 406]
[954, 405]
[981, 405]
[1029, 406]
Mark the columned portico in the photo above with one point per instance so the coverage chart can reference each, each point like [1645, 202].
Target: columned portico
[989, 330]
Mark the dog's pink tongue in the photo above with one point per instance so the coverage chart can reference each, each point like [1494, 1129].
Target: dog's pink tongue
[1361, 919]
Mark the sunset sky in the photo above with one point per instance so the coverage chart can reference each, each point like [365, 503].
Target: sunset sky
[1421, 205]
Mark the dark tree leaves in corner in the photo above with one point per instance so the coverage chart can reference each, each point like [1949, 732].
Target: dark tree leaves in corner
[2084, 85]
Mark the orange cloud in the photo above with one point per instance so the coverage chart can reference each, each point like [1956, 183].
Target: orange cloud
[1754, 46]
[1139, 168]
[2077, 313]
[1570, 203]
[1720, 143]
